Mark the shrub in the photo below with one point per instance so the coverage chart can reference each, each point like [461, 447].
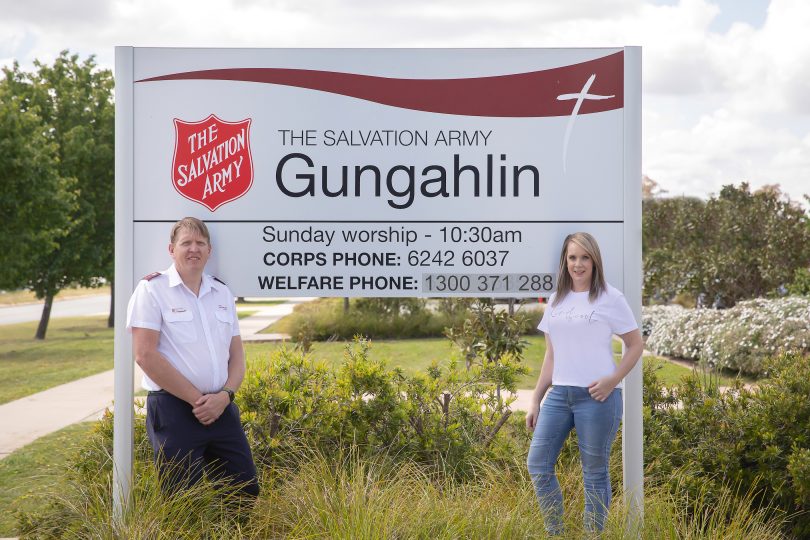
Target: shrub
[374, 318]
[742, 441]
[293, 402]
[399, 307]
[737, 245]
[350, 491]
[487, 334]
[801, 283]
[740, 338]
[380, 318]
[682, 333]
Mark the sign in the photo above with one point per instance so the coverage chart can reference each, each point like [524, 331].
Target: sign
[381, 172]
[360, 172]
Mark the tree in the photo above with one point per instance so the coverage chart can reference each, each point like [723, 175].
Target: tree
[736, 245]
[36, 201]
[650, 188]
[490, 337]
[672, 238]
[74, 100]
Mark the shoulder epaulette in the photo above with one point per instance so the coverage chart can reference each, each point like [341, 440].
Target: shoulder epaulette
[151, 276]
[217, 279]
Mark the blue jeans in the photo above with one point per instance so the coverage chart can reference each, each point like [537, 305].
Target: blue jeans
[596, 422]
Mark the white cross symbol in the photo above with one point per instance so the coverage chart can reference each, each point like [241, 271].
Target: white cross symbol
[580, 97]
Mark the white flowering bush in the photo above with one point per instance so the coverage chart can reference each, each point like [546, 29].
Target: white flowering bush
[740, 338]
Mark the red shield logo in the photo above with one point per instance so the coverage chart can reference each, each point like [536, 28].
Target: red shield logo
[212, 163]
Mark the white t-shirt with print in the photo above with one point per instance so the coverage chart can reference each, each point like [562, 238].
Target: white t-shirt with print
[581, 333]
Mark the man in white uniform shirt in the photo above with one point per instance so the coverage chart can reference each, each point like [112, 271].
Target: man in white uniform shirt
[185, 336]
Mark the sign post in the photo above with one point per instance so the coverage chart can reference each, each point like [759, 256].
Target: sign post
[123, 435]
[367, 172]
[632, 423]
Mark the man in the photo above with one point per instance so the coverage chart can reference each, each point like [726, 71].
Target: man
[185, 336]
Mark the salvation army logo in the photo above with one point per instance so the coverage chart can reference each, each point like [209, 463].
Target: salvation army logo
[212, 163]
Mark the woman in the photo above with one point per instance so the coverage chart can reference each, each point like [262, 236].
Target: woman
[579, 322]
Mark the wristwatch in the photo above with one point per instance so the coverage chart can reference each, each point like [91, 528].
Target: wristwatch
[231, 393]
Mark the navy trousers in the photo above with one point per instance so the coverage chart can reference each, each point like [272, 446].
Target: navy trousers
[185, 449]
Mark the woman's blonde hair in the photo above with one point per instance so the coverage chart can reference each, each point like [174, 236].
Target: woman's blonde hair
[564, 282]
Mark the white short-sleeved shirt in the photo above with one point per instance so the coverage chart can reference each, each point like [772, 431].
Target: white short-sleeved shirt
[195, 331]
[581, 334]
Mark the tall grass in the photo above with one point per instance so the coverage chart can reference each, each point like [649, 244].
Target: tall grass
[725, 516]
[347, 497]
[82, 508]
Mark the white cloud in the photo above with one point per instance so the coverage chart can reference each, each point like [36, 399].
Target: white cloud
[753, 123]
[718, 107]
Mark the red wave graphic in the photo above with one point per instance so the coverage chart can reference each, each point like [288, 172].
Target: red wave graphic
[532, 94]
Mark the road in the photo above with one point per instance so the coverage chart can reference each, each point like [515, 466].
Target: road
[75, 307]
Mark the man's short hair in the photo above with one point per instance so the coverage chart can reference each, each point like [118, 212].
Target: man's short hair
[191, 224]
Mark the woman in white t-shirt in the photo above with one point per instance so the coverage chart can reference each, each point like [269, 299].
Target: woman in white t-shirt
[579, 322]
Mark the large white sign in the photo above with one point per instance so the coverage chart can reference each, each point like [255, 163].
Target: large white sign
[334, 172]
[380, 172]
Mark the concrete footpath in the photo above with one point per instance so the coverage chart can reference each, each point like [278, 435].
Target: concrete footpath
[25, 420]
[267, 315]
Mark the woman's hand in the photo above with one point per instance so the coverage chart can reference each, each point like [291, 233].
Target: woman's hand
[531, 417]
[601, 389]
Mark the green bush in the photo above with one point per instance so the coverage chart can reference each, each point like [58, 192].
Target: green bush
[373, 318]
[801, 283]
[487, 334]
[399, 307]
[742, 441]
[292, 402]
[741, 338]
[737, 245]
[382, 318]
[324, 486]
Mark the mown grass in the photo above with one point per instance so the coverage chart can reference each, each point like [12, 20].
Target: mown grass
[83, 346]
[36, 468]
[74, 348]
[9, 298]
[414, 355]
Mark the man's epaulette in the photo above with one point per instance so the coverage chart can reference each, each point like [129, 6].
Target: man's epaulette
[217, 279]
[151, 276]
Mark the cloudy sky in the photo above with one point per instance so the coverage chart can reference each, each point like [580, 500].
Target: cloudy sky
[726, 82]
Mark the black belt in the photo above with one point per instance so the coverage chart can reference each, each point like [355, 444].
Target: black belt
[159, 393]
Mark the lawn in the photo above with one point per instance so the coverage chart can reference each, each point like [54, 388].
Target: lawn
[411, 355]
[258, 302]
[33, 469]
[417, 354]
[9, 298]
[83, 346]
[74, 348]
